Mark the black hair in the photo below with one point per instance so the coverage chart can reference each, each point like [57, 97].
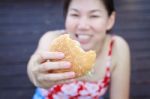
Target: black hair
[109, 5]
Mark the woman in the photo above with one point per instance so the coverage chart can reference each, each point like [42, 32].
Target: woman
[90, 23]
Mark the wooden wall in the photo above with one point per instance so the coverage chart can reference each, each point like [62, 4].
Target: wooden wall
[22, 22]
[133, 23]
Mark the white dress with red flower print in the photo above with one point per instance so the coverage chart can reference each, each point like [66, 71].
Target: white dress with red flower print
[81, 89]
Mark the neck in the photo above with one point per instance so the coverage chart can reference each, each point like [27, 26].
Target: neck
[102, 49]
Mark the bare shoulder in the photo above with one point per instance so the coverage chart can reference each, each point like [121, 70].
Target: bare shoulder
[52, 34]
[120, 74]
[47, 38]
[121, 51]
[120, 44]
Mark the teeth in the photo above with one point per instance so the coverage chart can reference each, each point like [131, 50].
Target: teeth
[84, 37]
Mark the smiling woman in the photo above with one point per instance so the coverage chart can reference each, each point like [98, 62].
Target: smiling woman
[88, 22]
[88, 25]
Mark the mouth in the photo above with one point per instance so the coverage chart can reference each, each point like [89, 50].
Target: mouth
[83, 38]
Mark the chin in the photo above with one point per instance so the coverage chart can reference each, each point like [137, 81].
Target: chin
[86, 47]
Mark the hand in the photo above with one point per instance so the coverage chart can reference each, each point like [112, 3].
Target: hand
[45, 79]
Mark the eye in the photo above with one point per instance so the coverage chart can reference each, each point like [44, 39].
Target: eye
[95, 16]
[74, 15]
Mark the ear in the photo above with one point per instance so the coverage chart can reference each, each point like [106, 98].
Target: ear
[111, 21]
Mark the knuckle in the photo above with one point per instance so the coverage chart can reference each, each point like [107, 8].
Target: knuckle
[40, 57]
[40, 54]
[54, 65]
[35, 70]
[62, 76]
[39, 78]
[62, 63]
[66, 76]
[44, 67]
[59, 63]
[51, 77]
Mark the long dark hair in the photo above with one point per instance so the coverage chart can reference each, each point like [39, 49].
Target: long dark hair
[109, 4]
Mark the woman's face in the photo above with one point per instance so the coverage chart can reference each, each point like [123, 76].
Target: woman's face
[87, 22]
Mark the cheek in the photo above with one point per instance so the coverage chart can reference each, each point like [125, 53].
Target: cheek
[100, 35]
[70, 24]
[100, 25]
[98, 40]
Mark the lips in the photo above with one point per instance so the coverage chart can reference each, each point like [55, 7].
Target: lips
[83, 38]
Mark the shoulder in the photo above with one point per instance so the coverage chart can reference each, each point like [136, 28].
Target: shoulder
[52, 34]
[121, 69]
[121, 51]
[120, 44]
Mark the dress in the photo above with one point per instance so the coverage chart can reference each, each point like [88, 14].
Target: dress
[79, 89]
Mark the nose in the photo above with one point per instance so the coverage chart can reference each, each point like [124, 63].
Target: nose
[83, 24]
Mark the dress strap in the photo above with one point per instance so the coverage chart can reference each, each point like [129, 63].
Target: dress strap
[106, 79]
[111, 46]
[109, 60]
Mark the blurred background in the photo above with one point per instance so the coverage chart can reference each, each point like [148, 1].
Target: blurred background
[23, 22]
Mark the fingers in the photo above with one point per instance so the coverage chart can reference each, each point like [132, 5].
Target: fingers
[49, 55]
[56, 76]
[53, 65]
[40, 70]
[47, 80]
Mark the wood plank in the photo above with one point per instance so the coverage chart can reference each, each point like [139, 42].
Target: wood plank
[140, 90]
[15, 39]
[12, 55]
[140, 77]
[22, 93]
[15, 82]
[13, 70]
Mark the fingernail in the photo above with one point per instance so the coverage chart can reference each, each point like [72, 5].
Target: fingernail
[61, 55]
[71, 74]
[67, 64]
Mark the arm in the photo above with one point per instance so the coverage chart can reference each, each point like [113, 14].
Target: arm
[42, 46]
[38, 70]
[120, 79]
